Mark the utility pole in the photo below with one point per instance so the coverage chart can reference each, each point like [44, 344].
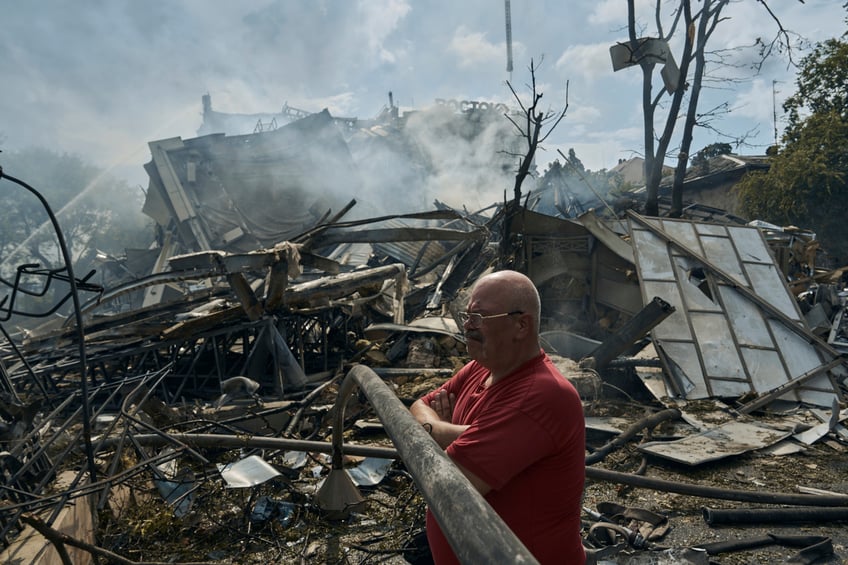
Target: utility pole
[508, 39]
[774, 110]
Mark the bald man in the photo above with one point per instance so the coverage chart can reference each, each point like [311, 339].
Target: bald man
[512, 424]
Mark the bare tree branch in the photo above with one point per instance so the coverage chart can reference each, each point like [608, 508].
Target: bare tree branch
[533, 130]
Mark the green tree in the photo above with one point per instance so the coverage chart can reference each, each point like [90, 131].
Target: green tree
[822, 85]
[712, 150]
[701, 160]
[807, 183]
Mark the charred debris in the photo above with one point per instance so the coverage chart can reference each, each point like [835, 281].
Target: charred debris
[217, 416]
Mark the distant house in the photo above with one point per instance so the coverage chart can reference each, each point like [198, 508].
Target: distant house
[711, 182]
[707, 185]
[632, 171]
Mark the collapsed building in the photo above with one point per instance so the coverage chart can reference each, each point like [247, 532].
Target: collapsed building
[266, 269]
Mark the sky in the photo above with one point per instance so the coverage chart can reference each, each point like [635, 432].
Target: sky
[102, 78]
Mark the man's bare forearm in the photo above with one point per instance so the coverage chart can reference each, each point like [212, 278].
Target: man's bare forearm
[444, 432]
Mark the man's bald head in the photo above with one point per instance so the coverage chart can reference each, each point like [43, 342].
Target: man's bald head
[516, 291]
[506, 333]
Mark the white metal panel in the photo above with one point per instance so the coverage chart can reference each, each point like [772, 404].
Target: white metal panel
[681, 231]
[728, 439]
[747, 321]
[685, 355]
[798, 354]
[736, 328]
[749, 245]
[675, 326]
[653, 256]
[764, 365]
[711, 229]
[694, 295]
[729, 389]
[818, 391]
[718, 350]
[721, 253]
[768, 283]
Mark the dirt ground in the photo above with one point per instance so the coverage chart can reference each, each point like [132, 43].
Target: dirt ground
[223, 525]
[821, 467]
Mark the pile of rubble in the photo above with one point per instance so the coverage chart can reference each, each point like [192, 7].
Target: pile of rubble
[198, 422]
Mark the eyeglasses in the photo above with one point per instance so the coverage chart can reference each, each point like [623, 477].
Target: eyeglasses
[475, 320]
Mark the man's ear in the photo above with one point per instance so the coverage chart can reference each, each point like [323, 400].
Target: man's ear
[524, 321]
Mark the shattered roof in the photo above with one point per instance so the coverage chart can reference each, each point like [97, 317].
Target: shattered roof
[719, 169]
[247, 191]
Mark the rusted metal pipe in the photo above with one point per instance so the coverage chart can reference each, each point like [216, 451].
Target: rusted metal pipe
[474, 530]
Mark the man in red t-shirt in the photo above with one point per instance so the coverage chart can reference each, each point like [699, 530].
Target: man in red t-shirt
[512, 424]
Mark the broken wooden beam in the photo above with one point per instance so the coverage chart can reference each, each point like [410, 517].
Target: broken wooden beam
[327, 288]
[389, 235]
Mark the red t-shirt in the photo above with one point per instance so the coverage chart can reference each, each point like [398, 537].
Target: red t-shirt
[526, 440]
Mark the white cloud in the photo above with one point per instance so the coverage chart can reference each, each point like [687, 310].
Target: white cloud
[585, 61]
[583, 114]
[105, 78]
[341, 104]
[755, 102]
[473, 48]
[379, 20]
[613, 13]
